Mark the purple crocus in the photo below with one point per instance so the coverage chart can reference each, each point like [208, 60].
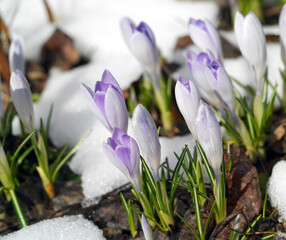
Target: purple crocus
[146, 134]
[16, 60]
[22, 98]
[252, 44]
[209, 137]
[141, 42]
[108, 103]
[123, 152]
[188, 98]
[205, 36]
[212, 80]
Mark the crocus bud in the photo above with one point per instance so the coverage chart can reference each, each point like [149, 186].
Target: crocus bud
[282, 28]
[209, 137]
[187, 98]
[146, 134]
[141, 42]
[107, 102]
[123, 152]
[16, 60]
[22, 99]
[212, 80]
[205, 36]
[147, 231]
[251, 41]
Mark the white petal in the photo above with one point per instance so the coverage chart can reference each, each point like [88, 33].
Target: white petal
[209, 136]
[145, 132]
[22, 99]
[115, 109]
[144, 51]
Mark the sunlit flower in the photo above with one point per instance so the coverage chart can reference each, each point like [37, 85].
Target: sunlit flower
[205, 36]
[252, 44]
[212, 80]
[108, 103]
[123, 152]
[22, 98]
[141, 42]
[187, 98]
[16, 60]
[209, 137]
[146, 134]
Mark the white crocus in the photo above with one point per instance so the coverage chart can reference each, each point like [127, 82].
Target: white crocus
[252, 44]
[16, 60]
[146, 134]
[209, 137]
[22, 99]
[187, 98]
[205, 36]
[141, 42]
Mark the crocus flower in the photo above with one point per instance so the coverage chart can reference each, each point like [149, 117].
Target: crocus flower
[123, 152]
[251, 41]
[209, 137]
[108, 103]
[187, 98]
[147, 231]
[212, 80]
[16, 60]
[146, 134]
[141, 43]
[205, 36]
[22, 99]
[282, 27]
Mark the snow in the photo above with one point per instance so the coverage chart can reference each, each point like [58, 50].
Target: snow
[65, 228]
[276, 188]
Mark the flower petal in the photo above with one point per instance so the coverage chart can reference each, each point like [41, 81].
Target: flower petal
[22, 99]
[146, 134]
[115, 109]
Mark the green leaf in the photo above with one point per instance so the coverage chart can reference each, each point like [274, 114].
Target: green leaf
[149, 175]
[21, 146]
[192, 229]
[54, 174]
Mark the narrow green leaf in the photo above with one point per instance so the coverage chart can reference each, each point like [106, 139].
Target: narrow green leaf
[66, 158]
[192, 229]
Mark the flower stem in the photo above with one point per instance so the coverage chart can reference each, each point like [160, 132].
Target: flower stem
[17, 208]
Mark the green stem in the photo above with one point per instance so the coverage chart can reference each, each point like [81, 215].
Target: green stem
[165, 111]
[17, 208]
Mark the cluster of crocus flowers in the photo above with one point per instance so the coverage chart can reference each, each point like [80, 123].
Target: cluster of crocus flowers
[205, 128]
[252, 44]
[141, 42]
[201, 121]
